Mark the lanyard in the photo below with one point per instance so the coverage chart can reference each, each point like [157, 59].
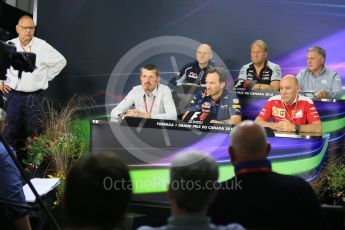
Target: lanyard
[249, 170]
[153, 102]
[293, 112]
[24, 47]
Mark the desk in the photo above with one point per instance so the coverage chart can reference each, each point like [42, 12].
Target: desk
[149, 150]
[149, 145]
[331, 111]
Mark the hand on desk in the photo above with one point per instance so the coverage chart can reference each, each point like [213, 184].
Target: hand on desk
[262, 87]
[284, 125]
[321, 94]
[137, 113]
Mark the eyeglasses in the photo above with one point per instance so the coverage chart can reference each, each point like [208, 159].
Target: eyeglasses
[27, 27]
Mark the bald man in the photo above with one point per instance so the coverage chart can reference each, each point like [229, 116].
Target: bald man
[259, 198]
[25, 96]
[195, 72]
[290, 111]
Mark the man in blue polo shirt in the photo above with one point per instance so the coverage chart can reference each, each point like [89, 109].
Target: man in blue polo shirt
[215, 104]
[195, 72]
[319, 81]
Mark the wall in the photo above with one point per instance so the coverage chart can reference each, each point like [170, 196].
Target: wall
[103, 40]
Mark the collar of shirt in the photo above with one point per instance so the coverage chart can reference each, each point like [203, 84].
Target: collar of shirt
[253, 166]
[28, 47]
[264, 67]
[221, 98]
[209, 64]
[292, 104]
[321, 72]
[153, 93]
[188, 221]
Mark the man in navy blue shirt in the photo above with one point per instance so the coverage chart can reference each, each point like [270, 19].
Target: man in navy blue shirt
[259, 198]
[215, 104]
[11, 190]
[195, 72]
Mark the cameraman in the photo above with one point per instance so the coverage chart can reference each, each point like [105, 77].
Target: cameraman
[25, 97]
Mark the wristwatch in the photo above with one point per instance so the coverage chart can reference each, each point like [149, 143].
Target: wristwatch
[297, 128]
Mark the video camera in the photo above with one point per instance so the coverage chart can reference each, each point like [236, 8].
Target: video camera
[21, 61]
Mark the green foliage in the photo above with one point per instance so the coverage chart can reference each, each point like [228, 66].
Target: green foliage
[37, 151]
[61, 152]
[336, 181]
[330, 184]
[63, 140]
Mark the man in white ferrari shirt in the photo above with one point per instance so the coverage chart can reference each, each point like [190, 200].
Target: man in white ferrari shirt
[24, 96]
[289, 110]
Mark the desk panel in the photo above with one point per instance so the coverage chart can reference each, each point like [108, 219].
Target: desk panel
[148, 151]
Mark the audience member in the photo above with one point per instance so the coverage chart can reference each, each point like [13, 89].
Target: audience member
[11, 190]
[150, 99]
[289, 110]
[193, 182]
[259, 198]
[24, 96]
[195, 72]
[215, 104]
[318, 80]
[98, 190]
[260, 74]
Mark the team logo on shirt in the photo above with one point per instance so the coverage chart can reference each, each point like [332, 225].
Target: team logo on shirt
[206, 107]
[193, 75]
[299, 114]
[278, 112]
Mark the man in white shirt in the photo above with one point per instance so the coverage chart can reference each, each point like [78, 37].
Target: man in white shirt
[24, 96]
[150, 99]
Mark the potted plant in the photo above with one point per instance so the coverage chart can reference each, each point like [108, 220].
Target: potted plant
[60, 144]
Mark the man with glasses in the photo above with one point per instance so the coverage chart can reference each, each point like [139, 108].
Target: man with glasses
[24, 96]
[148, 100]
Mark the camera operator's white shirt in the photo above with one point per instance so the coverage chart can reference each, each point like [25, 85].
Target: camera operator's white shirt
[49, 63]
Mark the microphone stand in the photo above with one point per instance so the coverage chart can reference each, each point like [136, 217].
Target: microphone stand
[38, 198]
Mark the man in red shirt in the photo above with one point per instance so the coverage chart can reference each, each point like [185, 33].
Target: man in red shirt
[289, 110]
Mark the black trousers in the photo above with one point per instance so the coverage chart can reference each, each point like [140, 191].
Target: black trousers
[24, 116]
